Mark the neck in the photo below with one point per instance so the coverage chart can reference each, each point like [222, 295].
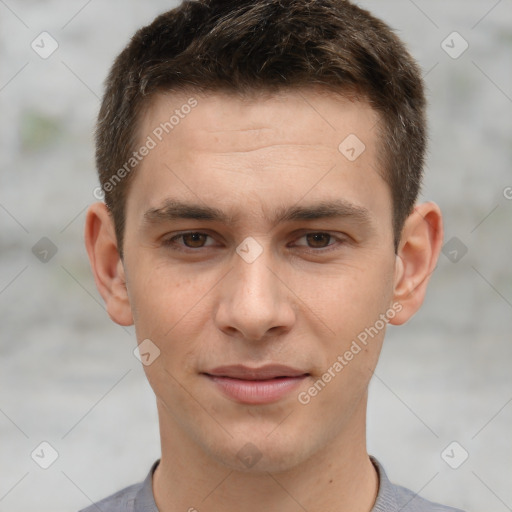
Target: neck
[339, 477]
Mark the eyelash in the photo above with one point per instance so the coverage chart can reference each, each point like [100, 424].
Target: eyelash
[171, 242]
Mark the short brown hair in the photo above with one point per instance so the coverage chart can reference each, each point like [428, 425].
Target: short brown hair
[265, 45]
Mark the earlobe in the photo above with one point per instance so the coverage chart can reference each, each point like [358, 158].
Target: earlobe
[106, 264]
[416, 258]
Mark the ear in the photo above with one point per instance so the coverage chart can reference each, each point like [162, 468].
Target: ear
[106, 264]
[416, 259]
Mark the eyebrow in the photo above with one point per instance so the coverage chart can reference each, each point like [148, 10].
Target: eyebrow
[173, 209]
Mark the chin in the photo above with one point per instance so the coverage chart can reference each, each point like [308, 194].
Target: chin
[253, 456]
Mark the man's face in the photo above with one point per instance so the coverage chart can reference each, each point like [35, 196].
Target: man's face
[254, 286]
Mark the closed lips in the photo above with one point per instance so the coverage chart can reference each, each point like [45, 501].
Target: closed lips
[268, 372]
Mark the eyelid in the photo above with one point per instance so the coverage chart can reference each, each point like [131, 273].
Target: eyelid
[334, 236]
[172, 240]
[339, 240]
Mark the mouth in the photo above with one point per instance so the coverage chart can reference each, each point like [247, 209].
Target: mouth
[261, 385]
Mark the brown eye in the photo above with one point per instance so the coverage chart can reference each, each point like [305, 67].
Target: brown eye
[194, 240]
[318, 240]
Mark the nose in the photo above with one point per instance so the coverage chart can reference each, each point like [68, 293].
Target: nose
[254, 302]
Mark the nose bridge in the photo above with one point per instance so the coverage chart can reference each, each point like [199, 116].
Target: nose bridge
[253, 283]
[253, 300]
[253, 280]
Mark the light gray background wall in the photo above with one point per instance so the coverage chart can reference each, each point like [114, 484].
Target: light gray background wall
[68, 375]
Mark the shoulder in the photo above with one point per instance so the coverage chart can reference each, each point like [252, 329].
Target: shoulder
[136, 498]
[409, 501]
[395, 498]
[121, 501]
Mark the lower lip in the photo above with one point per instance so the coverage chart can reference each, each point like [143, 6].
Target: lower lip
[257, 391]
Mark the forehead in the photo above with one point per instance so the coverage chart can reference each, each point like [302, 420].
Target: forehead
[230, 120]
[264, 149]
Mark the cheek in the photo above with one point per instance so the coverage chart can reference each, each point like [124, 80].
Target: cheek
[348, 299]
[174, 311]
[163, 299]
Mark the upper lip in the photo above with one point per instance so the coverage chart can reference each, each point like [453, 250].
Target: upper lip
[269, 371]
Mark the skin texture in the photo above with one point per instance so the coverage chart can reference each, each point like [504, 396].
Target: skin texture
[302, 301]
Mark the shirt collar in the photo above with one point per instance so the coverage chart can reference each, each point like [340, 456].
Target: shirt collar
[386, 498]
[144, 499]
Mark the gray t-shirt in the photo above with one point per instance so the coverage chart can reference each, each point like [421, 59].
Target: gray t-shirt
[390, 498]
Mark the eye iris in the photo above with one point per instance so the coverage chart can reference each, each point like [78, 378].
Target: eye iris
[198, 239]
[318, 237]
